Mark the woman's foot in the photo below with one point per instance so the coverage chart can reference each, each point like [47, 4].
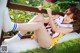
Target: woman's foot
[17, 37]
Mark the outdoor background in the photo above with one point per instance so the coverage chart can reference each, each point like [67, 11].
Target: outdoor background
[24, 16]
[72, 46]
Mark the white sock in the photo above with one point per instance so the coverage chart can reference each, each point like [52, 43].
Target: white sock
[17, 37]
[8, 25]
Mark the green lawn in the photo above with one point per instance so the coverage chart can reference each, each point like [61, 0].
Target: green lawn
[71, 46]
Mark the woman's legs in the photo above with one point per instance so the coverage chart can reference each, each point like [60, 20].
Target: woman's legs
[39, 18]
[44, 39]
[35, 19]
[8, 25]
[25, 26]
[13, 26]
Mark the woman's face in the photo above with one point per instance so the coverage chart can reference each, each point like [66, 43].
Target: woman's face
[68, 19]
[68, 11]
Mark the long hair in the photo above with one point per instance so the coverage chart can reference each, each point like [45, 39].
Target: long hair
[76, 13]
[76, 18]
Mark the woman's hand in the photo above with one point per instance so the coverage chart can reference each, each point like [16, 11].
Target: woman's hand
[49, 11]
[40, 7]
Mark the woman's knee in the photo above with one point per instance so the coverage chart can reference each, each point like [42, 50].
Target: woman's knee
[38, 18]
[41, 24]
[46, 45]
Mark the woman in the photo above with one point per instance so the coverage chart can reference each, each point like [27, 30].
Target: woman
[36, 24]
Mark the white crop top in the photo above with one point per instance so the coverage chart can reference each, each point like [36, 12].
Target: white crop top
[58, 21]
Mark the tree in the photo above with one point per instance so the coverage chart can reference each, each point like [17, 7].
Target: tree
[64, 4]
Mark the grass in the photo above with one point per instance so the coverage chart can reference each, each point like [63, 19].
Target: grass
[71, 46]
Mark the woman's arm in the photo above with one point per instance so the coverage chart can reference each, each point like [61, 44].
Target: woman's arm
[55, 27]
[64, 30]
[51, 22]
[46, 20]
[59, 29]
